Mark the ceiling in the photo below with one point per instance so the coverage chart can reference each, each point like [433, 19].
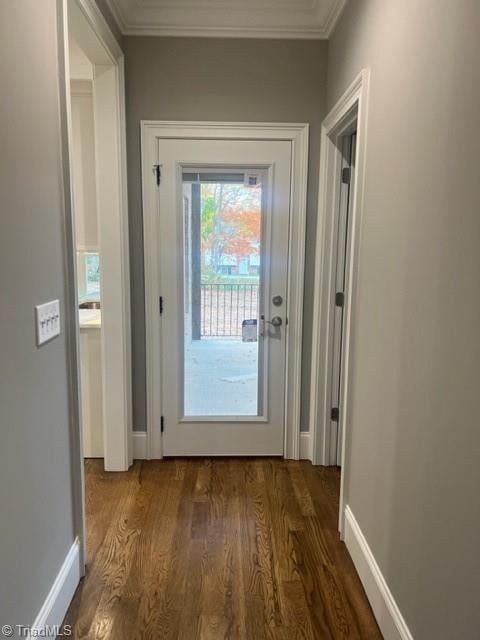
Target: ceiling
[313, 19]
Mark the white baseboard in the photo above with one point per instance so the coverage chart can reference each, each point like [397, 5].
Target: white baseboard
[139, 439]
[58, 600]
[139, 445]
[387, 613]
[305, 445]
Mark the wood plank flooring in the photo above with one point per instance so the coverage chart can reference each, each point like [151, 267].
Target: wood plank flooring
[217, 549]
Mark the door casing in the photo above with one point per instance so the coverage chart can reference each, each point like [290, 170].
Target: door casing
[297, 134]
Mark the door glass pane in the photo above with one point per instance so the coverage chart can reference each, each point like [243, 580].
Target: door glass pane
[222, 283]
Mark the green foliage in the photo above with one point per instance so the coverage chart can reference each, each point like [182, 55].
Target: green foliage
[209, 275]
[209, 212]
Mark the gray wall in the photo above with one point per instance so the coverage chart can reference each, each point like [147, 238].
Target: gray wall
[36, 518]
[415, 438]
[219, 79]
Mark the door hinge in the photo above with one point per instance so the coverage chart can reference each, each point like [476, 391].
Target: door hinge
[339, 299]
[346, 175]
[160, 304]
[162, 424]
[335, 413]
[157, 168]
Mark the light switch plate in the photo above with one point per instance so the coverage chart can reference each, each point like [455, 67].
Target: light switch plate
[47, 318]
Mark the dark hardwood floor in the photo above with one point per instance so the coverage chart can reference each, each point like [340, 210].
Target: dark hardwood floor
[217, 549]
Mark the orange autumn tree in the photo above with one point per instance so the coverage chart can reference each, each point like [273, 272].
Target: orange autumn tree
[231, 221]
[243, 232]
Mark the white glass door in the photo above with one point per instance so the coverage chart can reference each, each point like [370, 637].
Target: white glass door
[224, 213]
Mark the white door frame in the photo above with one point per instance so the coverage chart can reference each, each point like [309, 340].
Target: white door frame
[297, 134]
[351, 107]
[91, 30]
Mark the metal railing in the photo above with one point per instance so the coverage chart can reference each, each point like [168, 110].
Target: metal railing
[225, 306]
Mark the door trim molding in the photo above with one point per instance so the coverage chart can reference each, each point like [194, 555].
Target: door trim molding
[297, 134]
[351, 106]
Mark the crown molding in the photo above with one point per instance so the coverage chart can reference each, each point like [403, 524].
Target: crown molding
[131, 26]
[117, 15]
[333, 17]
[96, 20]
[227, 32]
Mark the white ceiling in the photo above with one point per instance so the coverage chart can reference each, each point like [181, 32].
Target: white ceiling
[234, 18]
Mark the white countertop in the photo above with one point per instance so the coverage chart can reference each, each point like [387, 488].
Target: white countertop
[90, 318]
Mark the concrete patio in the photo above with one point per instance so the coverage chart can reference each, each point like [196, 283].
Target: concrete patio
[221, 377]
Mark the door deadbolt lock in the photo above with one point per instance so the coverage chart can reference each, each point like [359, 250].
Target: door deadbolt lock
[277, 300]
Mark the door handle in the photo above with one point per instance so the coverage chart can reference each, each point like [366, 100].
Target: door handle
[276, 321]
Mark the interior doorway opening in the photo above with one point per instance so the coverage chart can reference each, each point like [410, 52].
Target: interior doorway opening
[88, 254]
[95, 99]
[94, 164]
[346, 186]
[342, 166]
